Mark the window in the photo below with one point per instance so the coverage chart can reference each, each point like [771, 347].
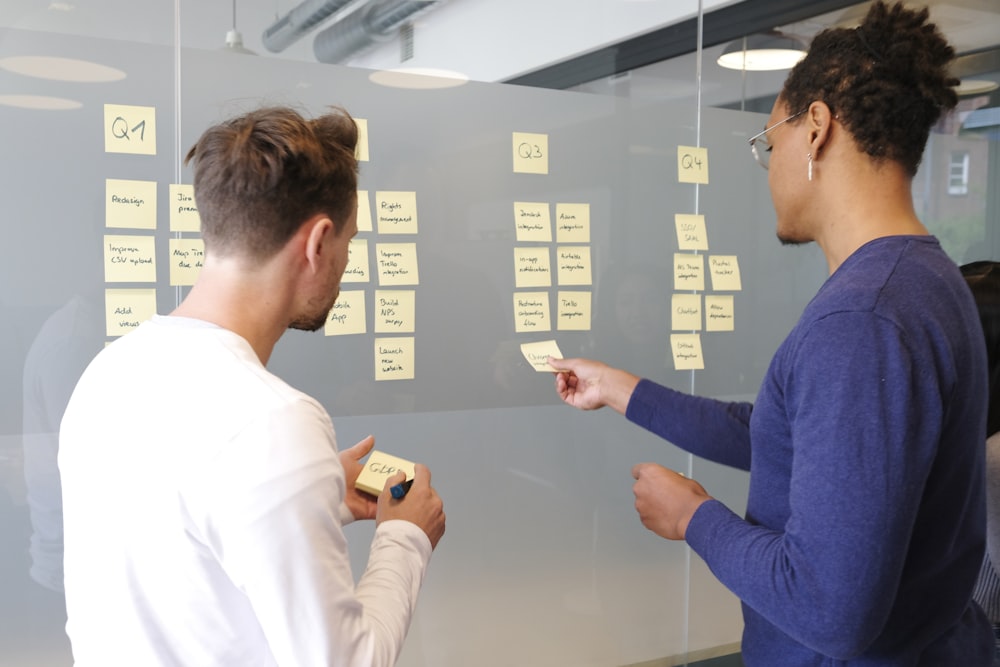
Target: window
[958, 173]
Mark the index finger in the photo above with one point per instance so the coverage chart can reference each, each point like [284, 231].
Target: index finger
[421, 474]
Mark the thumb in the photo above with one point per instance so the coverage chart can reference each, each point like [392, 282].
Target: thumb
[364, 446]
[560, 365]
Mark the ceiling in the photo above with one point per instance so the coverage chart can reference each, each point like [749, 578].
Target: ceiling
[496, 40]
[971, 26]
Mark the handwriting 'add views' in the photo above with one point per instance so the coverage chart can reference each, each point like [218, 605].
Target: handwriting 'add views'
[126, 309]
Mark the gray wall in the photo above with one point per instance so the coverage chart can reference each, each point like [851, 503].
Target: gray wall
[545, 561]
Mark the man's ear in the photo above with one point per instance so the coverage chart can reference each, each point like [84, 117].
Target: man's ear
[316, 230]
[818, 119]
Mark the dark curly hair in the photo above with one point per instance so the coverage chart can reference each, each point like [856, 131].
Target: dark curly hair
[258, 177]
[886, 81]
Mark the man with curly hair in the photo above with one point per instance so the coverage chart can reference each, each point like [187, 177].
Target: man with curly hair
[865, 520]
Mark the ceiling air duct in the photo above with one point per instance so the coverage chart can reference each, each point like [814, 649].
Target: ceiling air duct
[300, 20]
[376, 22]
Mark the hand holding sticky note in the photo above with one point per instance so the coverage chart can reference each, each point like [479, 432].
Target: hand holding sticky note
[538, 355]
[378, 469]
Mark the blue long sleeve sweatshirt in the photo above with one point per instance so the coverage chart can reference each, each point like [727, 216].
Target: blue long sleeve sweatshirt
[865, 522]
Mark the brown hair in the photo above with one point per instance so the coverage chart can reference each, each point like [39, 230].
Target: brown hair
[886, 81]
[259, 176]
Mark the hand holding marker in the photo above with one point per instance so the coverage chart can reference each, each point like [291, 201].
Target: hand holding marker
[399, 490]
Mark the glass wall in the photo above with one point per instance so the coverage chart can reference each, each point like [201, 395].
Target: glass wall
[545, 562]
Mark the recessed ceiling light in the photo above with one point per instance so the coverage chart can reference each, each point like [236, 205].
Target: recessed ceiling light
[976, 86]
[61, 69]
[762, 52]
[40, 102]
[418, 78]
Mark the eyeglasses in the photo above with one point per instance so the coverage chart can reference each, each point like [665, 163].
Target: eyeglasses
[759, 145]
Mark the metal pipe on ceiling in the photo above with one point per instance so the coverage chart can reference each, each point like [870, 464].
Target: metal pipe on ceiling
[298, 21]
[376, 22]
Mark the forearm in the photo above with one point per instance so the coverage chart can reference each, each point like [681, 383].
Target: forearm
[617, 387]
[389, 587]
[714, 430]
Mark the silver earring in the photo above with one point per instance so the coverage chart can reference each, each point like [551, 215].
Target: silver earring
[810, 170]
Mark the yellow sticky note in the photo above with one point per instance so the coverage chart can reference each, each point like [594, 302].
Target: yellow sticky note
[396, 212]
[183, 209]
[129, 259]
[394, 358]
[725, 270]
[531, 311]
[129, 129]
[378, 469]
[719, 312]
[685, 312]
[689, 272]
[573, 223]
[187, 256]
[361, 150]
[130, 203]
[691, 232]
[532, 267]
[357, 262]
[531, 221]
[573, 311]
[397, 263]
[692, 164]
[364, 212]
[348, 315]
[686, 349]
[537, 354]
[573, 265]
[126, 309]
[395, 311]
[531, 153]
